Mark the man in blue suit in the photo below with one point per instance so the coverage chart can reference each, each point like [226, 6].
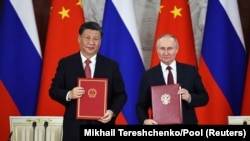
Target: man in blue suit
[193, 92]
[65, 90]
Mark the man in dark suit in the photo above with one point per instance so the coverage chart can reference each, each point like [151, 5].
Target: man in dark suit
[65, 90]
[193, 93]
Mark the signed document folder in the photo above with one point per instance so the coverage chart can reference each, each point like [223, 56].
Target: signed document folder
[93, 104]
[166, 104]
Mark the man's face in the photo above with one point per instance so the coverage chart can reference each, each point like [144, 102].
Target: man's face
[89, 41]
[167, 50]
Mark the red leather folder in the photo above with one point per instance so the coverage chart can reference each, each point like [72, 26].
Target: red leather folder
[93, 104]
[166, 104]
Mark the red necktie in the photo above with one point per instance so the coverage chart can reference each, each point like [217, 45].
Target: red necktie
[170, 76]
[87, 69]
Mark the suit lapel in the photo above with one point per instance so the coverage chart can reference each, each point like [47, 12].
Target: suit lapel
[99, 66]
[180, 71]
[79, 65]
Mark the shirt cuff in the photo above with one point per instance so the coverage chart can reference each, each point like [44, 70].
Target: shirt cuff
[67, 97]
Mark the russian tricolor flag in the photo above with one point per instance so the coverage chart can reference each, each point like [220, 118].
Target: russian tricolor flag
[20, 62]
[223, 62]
[121, 43]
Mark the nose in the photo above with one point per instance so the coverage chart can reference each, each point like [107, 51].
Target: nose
[166, 52]
[91, 41]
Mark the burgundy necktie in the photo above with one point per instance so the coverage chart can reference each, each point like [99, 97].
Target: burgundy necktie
[87, 69]
[170, 76]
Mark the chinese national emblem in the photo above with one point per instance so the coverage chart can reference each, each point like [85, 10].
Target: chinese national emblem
[92, 93]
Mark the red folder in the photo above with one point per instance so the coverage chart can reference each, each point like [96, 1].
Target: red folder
[166, 104]
[93, 104]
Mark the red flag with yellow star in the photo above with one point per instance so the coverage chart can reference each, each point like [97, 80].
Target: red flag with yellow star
[66, 16]
[245, 111]
[174, 18]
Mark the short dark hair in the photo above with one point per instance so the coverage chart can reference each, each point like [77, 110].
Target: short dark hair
[90, 25]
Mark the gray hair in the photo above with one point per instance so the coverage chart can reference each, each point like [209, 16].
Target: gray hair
[168, 35]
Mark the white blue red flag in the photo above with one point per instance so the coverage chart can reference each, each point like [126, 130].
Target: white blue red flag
[223, 62]
[20, 62]
[121, 43]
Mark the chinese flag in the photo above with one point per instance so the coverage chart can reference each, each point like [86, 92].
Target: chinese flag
[174, 18]
[66, 16]
[245, 110]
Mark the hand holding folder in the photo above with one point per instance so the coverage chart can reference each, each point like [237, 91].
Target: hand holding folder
[166, 104]
[93, 104]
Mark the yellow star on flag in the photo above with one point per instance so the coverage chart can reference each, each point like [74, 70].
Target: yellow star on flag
[160, 8]
[64, 12]
[79, 3]
[176, 11]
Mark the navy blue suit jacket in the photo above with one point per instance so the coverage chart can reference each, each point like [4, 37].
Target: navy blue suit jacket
[187, 76]
[66, 78]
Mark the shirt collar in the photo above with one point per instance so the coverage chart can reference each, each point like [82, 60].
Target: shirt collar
[172, 65]
[92, 59]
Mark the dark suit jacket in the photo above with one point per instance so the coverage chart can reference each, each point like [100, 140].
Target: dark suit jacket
[187, 76]
[68, 71]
